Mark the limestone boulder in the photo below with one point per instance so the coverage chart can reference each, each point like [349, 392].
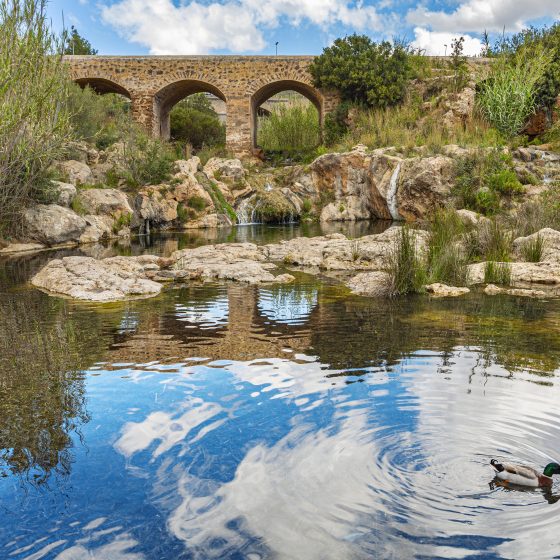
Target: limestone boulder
[522, 273]
[64, 193]
[104, 202]
[187, 166]
[112, 279]
[76, 172]
[98, 228]
[210, 221]
[51, 224]
[493, 290]
[240, 262]
[373, 284]
[443, 290]
[189, 188]
[220, 168]
[550, 239]
[424, 184]
[156, 206]
[344, 178]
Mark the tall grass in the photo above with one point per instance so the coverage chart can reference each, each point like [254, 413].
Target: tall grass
[290, 128]
[492, 240]
[34, 124]
[410, 125]
[533, 249]
[497, 273]
[405, 266]
[507, 97]
[447, 259]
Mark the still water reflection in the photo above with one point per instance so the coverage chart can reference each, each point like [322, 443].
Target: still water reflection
[291, 422]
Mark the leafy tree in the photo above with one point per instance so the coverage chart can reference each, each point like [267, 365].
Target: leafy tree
[78, 44]
[363, 71]
[194, 120]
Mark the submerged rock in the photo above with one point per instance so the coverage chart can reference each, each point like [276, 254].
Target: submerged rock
[443, 290]
[374, 284]
[112, 279]
[493, 290]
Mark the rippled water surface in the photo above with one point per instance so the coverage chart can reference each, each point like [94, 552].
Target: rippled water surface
[278, 422]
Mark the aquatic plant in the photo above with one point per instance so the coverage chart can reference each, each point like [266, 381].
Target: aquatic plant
[497, 273]
[447, 258]
[405, 266]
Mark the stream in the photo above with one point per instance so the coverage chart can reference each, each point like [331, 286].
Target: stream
[227, 421]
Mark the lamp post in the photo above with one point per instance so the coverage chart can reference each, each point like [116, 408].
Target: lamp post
[277, 48]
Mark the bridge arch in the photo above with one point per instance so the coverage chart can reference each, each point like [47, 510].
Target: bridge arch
[272, 88]
[103, 85]
[168, 96]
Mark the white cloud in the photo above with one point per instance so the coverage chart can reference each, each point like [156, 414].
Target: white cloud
[478, 15]
[434, 42]
[235, 25]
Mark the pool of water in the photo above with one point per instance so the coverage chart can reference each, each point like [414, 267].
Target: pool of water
[278, 422]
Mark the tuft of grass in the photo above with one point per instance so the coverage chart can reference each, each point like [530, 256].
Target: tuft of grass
[492, 240]
[197, 203]
[405, 266]
[447, 259]
[78, 207]
[533, 249]
[497, 273]
[124, 220]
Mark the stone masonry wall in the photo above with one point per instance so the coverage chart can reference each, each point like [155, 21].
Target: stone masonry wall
[155, 83]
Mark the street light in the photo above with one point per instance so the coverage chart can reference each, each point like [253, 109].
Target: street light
[277, 48]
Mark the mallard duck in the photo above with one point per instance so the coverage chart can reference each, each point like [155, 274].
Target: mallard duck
[525, 476]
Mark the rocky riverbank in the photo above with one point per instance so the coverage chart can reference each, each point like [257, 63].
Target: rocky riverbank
[358, 185]
[361, 264]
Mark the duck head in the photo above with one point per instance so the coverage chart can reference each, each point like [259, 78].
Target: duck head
[551, 469]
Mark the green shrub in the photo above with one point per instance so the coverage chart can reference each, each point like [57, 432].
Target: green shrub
[505, 181]
[194, 121]
[197, 203]
[405, 266]
[533, 249]
[78, 207]
[182, 213]
[34, 122]
[146, 160]
[508, 96]
[307, 205]
[291, 128]
[97, 118]
[363, 71]
[482, 177]
[497, 273]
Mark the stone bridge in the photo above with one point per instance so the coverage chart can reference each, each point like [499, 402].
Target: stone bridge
[154, 84]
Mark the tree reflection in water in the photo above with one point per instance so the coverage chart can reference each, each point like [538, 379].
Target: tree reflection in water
[42, 393]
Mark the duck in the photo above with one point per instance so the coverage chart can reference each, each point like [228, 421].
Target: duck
[520, 475]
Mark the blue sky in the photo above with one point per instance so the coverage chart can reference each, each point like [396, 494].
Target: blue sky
[300, 26]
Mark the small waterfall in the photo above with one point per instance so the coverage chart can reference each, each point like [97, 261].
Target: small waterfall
[392, 194]
[246, 212]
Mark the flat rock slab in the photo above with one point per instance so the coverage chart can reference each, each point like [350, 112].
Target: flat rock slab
[443, 290]
[106, 280]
